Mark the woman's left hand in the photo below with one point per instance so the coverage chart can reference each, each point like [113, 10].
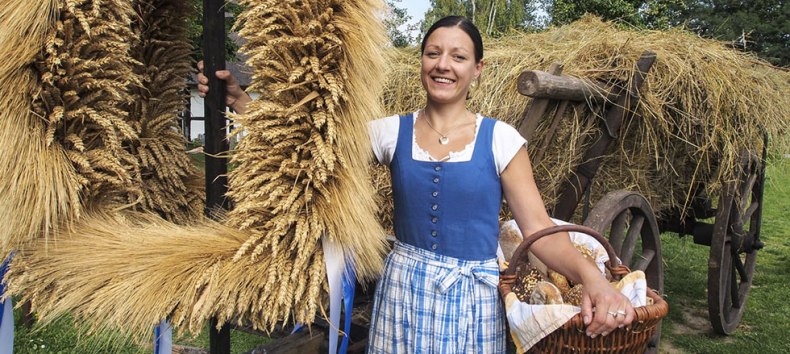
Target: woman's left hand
[604, 308]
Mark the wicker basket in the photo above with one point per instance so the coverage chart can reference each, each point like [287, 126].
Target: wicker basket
[571, 337]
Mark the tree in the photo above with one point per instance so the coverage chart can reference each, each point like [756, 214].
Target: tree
[399, 30]
[759, 26]
[642, 13]
[195, 32]
[492, 17]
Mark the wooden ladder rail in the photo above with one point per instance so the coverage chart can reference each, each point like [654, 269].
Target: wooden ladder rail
[545, 86]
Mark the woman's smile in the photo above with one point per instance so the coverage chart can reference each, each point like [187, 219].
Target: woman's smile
[443, 80]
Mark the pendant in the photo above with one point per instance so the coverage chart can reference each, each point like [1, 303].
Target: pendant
[443, 140]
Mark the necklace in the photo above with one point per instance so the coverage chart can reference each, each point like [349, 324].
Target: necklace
[443, 139]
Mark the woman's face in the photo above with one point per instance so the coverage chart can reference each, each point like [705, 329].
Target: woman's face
[448, 65]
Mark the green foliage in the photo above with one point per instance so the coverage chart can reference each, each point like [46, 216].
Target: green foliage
[232, 11]
[760, 26]
[396, 18]
[240, 342]
[660, 14]
[644, 13]
[566, 11]
[492, 17]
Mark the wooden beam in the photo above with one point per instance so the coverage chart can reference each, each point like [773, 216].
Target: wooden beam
[537, 108]
[541, 84]
[216, 145]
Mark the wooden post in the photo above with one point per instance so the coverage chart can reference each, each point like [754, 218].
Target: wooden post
[216, 144]
[186, 119]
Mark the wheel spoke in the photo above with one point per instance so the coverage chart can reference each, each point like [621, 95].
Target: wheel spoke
[746, 190]
[747, 215]
[734, 295]
[738, 263]
[617, 235]
[634, 231]
[644, 260]
[633, 234]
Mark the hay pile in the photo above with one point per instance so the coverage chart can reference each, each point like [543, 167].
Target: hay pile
[702, 104]
[122, 206]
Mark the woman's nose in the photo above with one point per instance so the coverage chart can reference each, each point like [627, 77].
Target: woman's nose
[443, 63]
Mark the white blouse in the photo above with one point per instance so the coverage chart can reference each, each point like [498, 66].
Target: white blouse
[384, 137]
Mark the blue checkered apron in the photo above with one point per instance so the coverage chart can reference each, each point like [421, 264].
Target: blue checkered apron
[429, 303]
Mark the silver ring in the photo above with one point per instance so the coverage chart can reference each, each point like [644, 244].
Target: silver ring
[621, 313]
[614, 314]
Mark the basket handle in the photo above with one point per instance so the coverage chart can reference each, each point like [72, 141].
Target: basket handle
[520, 255]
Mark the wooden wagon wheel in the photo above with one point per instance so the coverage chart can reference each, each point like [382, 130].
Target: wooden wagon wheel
[628, 220]
[734, 246]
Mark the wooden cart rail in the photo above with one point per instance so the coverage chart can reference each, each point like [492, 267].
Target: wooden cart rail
[543, 87]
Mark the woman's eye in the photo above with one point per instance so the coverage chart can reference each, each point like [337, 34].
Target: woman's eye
[433, 54]
[460, 58]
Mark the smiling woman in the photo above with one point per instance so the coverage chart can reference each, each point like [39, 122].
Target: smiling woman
[450, 169]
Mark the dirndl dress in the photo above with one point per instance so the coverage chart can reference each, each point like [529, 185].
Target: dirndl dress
[438, 293]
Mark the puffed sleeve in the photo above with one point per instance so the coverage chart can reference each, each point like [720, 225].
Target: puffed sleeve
[507, 142]
[384, 137]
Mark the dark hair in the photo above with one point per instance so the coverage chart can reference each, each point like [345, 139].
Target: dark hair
[464, 24]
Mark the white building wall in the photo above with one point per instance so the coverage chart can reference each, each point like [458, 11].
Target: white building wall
[197, 108]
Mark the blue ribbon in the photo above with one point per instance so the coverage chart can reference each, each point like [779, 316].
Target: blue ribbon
[157, 333]
[163, 338]
[6, 313]
[349, 286]
[3, 270]
[297, 327]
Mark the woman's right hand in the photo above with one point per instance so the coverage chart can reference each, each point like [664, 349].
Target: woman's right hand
[235, 97]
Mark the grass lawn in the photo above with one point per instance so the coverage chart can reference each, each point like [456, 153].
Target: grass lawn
[686, 328]
[62, 337]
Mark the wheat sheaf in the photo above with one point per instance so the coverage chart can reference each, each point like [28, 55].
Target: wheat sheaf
[121, 244]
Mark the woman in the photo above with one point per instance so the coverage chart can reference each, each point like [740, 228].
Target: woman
[450, 169]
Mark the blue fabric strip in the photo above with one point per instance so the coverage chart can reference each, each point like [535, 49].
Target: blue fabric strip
[349, 286]
[3, 270]
[297, 327]
[157, 333]
[6, 313]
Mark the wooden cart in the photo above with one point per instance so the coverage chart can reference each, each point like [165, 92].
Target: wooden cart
[627, 217]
